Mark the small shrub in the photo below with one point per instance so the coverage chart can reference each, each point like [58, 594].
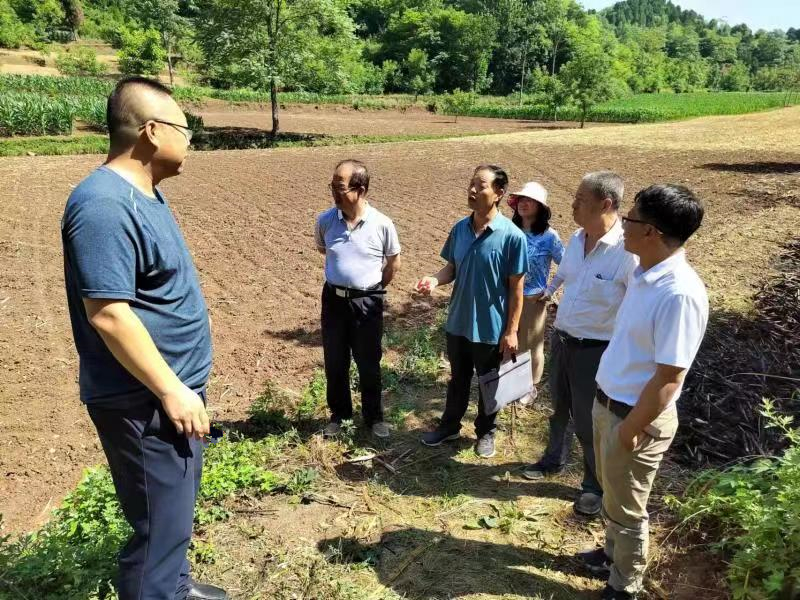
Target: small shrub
[313, 396]
[755, 512]
[267, 414]
[142, 53]
[79, 61]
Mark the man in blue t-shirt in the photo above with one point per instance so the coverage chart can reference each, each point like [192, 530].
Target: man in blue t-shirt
[486, 259]
[141, 330]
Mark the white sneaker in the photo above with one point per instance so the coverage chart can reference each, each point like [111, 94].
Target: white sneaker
[529, 398]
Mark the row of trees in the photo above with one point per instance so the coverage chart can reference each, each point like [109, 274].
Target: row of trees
[551, 49]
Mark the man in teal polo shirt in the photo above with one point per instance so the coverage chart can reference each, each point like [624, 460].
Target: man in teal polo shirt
[486, 259]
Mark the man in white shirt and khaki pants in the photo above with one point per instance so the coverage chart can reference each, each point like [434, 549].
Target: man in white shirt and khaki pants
[658, 332]
[594, 271]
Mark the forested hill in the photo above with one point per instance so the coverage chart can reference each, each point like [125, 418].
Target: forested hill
[650, 13]
[494, 47]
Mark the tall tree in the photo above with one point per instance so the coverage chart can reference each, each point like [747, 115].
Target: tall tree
[260, 43]
[588, 75]
[73, 13]
[162, 16]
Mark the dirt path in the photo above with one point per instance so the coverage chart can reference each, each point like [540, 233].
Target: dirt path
[248, 219]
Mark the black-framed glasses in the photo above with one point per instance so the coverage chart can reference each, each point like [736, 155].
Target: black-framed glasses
[629, 220]
[187, 133]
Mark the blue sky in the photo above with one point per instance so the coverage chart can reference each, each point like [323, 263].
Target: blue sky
[757, 14]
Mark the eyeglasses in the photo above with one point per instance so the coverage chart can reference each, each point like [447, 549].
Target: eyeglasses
[342, 190]
[187, 133]
[629, 220]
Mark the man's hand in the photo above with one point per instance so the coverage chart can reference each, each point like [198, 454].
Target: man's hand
[544, 297]
[426, 285]
[628, 438]
[186, 411]
[509, 344]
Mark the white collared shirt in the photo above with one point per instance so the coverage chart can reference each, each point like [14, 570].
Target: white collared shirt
[661, 321]
[594, 285]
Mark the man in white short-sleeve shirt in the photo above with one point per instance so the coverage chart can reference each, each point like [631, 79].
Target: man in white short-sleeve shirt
[594, 272]
[362, 255]
[658, 332]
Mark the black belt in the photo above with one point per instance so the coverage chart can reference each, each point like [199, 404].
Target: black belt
[580, 342]
[349, 293]
[618, 408]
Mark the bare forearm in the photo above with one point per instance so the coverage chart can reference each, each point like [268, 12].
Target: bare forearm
[516, 286]
[655, 397]
[390, 269]
[446, 274]
[130, 343]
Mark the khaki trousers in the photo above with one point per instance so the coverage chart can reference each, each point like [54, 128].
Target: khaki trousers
[627, 478]
[531, 333]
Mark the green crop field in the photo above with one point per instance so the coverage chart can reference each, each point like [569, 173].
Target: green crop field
[647, 108]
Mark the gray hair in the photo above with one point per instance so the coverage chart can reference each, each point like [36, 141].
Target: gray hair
[605, 184]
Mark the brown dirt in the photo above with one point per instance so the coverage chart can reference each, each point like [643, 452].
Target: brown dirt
[248, 216]
[343, 120]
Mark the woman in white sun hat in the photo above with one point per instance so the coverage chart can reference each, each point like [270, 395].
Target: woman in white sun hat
[532, 216]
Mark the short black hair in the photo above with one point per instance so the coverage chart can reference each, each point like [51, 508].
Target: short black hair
[119, 114]
[360, 175]
[500, 176]
[674, 210]
[540, 223]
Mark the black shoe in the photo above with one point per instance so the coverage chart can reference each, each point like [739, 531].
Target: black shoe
[540, 470]
[588, 504]
[437, 437]
[609, 593]
[597, 562]
[203, 591]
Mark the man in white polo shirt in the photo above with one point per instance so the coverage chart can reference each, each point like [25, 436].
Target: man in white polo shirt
[594, 271]
[658, 331]
[362, 255]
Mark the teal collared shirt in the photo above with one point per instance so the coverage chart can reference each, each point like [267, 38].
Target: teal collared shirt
[479, 303]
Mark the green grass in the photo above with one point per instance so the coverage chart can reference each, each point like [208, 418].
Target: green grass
[87, 144]
[98, 144]
[646, 108]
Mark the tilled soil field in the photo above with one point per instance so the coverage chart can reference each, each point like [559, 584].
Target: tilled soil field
[341, 120]
[248, 217]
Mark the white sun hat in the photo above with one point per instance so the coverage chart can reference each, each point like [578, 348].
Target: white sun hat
[532, 190]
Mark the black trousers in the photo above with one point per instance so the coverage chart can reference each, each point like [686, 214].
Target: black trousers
[156, 473]
[352, 326]
[467, 357]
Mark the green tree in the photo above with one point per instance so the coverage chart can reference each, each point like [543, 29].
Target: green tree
[418, 77]
[47, 16]
[588, 75]
[161, 16]
[734, 78]
[265, 43]
[459, 103]
[459, 45]
[73, 11]
[13, 32]
[141, 52]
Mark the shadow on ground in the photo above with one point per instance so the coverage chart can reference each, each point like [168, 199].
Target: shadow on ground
[412, 562]
[755, 167]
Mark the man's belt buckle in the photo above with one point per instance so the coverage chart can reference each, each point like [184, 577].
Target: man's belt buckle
[342, 293]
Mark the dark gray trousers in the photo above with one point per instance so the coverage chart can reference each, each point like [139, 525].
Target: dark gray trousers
[573, 369]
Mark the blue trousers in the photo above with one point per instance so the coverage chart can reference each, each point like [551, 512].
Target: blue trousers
[156, 475]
